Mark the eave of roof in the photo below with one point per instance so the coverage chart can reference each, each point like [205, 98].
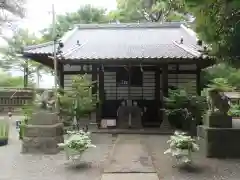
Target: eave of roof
[75, 51]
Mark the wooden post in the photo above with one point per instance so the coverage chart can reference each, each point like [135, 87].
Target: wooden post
[94, 89]
[130, 103]
[165, 126]
[157, 91]
[165, 81]
[129, 85]
[157, 86]
[198, 81]
[101, 94]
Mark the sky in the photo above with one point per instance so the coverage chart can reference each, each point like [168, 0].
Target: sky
[39, 11]
[38, 16]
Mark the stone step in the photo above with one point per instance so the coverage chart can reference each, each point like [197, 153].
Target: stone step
[130, 176]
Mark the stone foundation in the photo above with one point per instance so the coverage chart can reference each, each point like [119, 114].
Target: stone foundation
[217, 120]
[219, 142]
[42, 134]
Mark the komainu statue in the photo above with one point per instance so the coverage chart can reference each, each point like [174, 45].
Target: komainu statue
[217, 101]
[45, 101]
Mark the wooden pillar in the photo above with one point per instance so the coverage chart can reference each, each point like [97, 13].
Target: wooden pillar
[198, 81]
[101, 93]
[164, 81]
[157, 85]
[129, 101]
[157, 90]
[165, 126]
[95, 86]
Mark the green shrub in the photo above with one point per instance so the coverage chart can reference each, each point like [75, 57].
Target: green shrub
[4, 130]
[183, 107]
[22, 128]
[225, 71]
[234, 110]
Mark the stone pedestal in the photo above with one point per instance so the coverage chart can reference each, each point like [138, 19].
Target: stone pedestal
[42, 134]
[219, 142]
[123, 117]
[136, 117]
[165, 125]
[217, 120]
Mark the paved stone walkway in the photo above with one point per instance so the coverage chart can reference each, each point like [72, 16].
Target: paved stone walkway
[129, 156]
[130, 160]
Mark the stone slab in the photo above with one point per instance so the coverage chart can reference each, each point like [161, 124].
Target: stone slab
[129, 155]
[130, 176]
[44, 130]
[44, 118]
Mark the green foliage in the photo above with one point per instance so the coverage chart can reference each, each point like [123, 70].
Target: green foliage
[221, 70]
[234, 110]
[232, 75]
[7, 80]
[220, 85]
[79, 101]
[4, 130]
[182, 107]
[84, 15]
[11, 60]
[27, 111]
[150, 10]
[181, 147]
[217, 23]
[179, 100]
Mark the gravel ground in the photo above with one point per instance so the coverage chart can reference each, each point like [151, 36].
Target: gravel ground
[17, 166]
[205, 168]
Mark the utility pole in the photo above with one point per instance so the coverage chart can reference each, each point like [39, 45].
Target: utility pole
[55, 63]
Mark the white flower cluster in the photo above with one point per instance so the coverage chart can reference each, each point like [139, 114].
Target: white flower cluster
[78, 142]
[181, 147]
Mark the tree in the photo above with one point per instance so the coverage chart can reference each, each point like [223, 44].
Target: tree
[11, 10]
[85, 15]
[12, 61]
[80, 101]
[7, 80]
[218, 24]
[150, 10]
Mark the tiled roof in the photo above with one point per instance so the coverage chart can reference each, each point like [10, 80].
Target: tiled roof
[124, 41]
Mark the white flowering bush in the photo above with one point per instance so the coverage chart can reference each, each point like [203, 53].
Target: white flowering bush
[181, 147]
[77, 143]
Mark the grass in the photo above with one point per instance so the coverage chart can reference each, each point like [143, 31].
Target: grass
[4, 130]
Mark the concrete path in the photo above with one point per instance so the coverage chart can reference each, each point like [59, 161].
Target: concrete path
[130, 160]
